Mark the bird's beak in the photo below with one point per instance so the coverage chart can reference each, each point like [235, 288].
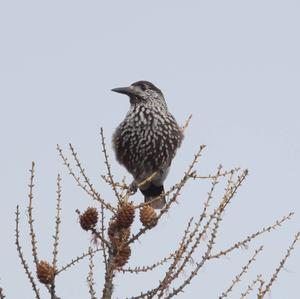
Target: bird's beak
[124, 90]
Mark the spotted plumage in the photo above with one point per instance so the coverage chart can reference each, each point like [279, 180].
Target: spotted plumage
[147, 139]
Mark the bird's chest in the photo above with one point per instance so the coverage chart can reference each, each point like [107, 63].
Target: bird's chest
[140, 140]
[139, 132]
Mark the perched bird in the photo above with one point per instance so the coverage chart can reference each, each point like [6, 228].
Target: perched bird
[147, 139]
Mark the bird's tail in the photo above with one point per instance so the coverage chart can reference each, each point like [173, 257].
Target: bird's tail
[153, 192]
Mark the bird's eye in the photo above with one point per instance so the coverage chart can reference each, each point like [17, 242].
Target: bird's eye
[143, 87]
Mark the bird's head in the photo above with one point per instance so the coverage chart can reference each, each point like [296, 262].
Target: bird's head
[141, 92]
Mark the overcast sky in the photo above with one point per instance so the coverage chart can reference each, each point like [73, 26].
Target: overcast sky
[234, 64]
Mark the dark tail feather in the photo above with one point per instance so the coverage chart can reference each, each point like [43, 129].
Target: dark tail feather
[153, 192]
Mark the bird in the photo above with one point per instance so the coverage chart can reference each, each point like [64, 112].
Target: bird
[146, 141]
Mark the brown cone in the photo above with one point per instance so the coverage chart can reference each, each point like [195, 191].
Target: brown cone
[124, 234]
[89, 218]
[45, 272]
[117, 235]
[125, 215]
[113, 234]
[122, 256]
[112, 229]
[148, 216]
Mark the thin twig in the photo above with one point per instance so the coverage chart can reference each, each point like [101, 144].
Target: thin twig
[249, 238]
[102, 232]
[239, 276]
[30, 216]
[76, 260]
[186, 124]
[87, 187]
[123, 186]
[213, 176]
[260, 288]
[231, 190]
[57, 223]
[90, 278]
[147, 180]
[21, 256]
[267, 288]
[106, 161]
[140, 269]
[250, 287]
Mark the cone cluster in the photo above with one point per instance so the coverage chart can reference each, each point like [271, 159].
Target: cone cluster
[148, 216]
[89, 219]
[45, 272]
[125, 215]
[119, 232]
[118, 237]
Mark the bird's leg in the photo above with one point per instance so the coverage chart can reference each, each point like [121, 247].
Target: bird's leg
[133, 187]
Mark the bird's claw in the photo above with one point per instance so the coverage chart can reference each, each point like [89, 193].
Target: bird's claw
[133, 187]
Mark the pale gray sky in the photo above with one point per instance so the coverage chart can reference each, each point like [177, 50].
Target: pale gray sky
[234, 64]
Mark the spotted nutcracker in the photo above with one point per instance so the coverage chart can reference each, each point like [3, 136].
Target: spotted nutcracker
[147, 139]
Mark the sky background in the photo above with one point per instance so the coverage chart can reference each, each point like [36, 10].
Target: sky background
[234, 65]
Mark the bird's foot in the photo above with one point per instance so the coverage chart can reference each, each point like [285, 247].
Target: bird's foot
[133, 187]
